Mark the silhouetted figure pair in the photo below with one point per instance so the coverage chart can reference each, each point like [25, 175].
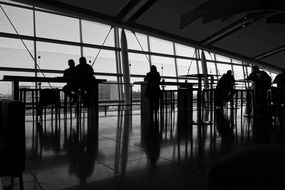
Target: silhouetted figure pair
[225, 89]
[80, 80]
[152, 90]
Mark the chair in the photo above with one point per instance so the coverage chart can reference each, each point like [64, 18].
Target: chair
[12, 139]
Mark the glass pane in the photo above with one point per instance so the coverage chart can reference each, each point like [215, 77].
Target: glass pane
[236, 61]
[96, 33]
[105, 61]
[222, 58]
[238, 72]
[211, 68]
[57, 27]
[11, 47]
[56, 56]
[136, 41]
[138, 64]
[186, 67]
[209, 56]
[183, 50]
[22, 19]
[161, 46]
[223, 68]
[165, 66]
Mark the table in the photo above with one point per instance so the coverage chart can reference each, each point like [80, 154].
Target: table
[145, 112]
[93, 112]
[199, 93]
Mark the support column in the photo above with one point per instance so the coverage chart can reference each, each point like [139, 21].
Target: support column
[126, 69]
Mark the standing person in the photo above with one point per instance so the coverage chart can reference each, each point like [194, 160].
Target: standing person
[84, 79]
[280, 79]
[262, 120]
[152, 90]
[69, 76]
[225, 89]
[261, 84]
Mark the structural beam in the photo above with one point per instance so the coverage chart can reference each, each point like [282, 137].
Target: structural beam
[269, 53]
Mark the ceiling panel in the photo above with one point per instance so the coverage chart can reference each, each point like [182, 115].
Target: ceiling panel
[276, 59]
[254, 39]
[165, 15]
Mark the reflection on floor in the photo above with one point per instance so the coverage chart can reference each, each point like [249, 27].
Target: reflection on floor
[127, 155]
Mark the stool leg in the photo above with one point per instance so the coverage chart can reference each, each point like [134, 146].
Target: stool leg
[21, 182]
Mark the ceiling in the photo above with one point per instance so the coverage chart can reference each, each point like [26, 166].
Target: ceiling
[252, 30]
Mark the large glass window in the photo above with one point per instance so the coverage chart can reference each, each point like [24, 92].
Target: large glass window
[186, 51]
[102, 61]
[136, 41]
[139, 64]
[22, 20]
[96, 33]
[11, 47]
[56, 56]
[238, 72]
[186, 67]
[57, 27]
[211, 68]
[223, 68]
[161, 46]
[222, 58]
[165, 66]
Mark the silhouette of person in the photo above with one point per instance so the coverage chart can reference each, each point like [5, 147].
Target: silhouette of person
[69, 76]
[280, 79]
[84, 79]
[152, 90]
[261, 127]
[225, 88]
[261, 84]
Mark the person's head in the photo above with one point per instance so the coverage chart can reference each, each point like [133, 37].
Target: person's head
[82, 60]
[71, 63]
[255, 68]
[229, 72]
[153, 68]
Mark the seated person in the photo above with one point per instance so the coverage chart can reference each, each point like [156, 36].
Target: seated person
[69, 76]
[152, 90]
[225, 89]
[84, 79]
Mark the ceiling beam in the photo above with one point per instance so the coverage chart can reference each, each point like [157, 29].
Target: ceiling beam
[142, 10]
[127, 9]
[230, 29]
[133, 10]
[270, 53]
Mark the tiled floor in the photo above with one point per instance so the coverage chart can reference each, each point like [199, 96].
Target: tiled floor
[122, 158]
